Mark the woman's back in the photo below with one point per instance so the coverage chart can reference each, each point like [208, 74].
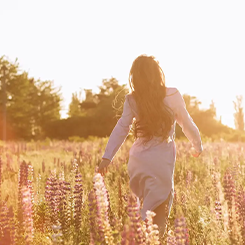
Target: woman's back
[151, 161]
[175, 101]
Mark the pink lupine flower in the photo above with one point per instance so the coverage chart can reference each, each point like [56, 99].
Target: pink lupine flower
[102, 205]
[152, 233]
[27, 215]
[171, 238]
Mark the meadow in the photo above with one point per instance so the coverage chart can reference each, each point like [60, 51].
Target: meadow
[51, 194]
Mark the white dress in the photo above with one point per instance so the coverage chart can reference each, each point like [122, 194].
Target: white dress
[151, 166]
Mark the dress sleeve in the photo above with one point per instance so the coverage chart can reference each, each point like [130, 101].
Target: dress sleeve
[120, 131]
[187, 124]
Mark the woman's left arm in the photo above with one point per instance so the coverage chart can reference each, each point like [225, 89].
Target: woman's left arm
[120, 131]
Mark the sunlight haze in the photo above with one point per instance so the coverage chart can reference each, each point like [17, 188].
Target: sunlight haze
[200, 45]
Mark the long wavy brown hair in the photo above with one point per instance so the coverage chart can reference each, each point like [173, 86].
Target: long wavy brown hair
[147, 82]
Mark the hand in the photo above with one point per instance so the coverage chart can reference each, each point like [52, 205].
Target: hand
[196, 154]
[103, 166]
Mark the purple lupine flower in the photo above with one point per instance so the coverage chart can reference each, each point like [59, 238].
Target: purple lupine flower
[240, 211]
[78, 199]
[215, 184]
[128, 236]
[64, 206]
[230, 192]
[218, 210]
[181, 231]
[52, 196]
[134, 216]
[93, 212]
[229, 188]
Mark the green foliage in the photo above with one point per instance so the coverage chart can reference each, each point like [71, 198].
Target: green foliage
[95, 116]
[30, 104]
[75, 109]
[205, 119]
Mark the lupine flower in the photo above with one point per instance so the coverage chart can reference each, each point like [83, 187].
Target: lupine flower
[78, 199]
[215, 185]
[171, 238]
[181, 232]
[93, 213]
[229, 188]
[57, 235]
[27, 215]
[134, 216]
[23, 182]
[240, 211]
[4, 225]
[64, 206]
[52, 196]
[218, 210]
[152, 233]
[102, 205]
[128, 236]
[230, 192]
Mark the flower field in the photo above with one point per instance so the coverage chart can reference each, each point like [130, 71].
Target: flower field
[51, 194]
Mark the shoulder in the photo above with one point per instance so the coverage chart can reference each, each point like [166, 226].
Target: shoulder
[171, 91]
[174, 97]
[129, 97]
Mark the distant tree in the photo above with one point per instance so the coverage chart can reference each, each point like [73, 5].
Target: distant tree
[99, 110]
[89, 103]
[30, 104]
[75, 109]
[192, 103]
[239, 115]
[48, 99]
[212, 108]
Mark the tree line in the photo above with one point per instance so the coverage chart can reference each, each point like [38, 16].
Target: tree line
[31, 109]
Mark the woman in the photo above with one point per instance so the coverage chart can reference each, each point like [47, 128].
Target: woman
[156, 109]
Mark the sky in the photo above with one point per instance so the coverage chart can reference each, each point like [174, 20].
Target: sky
[200, 44]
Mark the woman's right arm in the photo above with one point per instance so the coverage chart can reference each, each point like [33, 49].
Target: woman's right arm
[187, 124]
